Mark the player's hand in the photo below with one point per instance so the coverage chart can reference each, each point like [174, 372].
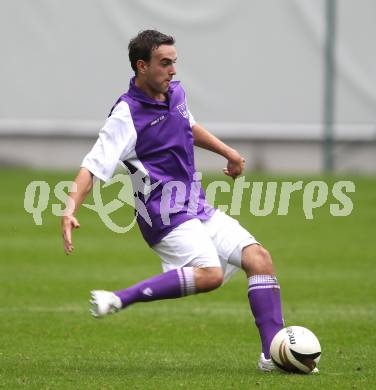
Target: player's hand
[235, 165]
[68, 223]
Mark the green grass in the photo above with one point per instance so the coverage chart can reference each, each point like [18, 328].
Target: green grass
[48, 341]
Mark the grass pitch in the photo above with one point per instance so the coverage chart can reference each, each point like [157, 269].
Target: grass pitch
[326, 268]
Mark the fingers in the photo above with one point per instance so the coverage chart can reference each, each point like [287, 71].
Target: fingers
[68, 249]
[228, 173]
[68, 223]
[75, 223]
[233, 172]
[67, 237]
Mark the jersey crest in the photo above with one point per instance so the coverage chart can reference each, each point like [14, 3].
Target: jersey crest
[183, 110]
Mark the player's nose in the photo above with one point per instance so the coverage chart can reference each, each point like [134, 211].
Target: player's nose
[172, 70]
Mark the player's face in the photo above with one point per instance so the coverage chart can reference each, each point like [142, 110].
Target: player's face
[160, 70]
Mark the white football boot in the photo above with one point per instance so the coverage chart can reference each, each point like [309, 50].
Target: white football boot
[267, 365]
[104, 302]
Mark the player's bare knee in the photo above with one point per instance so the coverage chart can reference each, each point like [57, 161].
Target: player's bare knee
[208, 279]
[214, 278]
[256, 260]
[217, 278]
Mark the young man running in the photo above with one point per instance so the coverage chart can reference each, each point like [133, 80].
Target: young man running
[152, 133]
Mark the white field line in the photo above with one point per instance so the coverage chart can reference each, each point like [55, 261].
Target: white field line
[215, 310]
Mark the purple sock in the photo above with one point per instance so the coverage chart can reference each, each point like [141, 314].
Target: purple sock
[265, 300]
[171, 284]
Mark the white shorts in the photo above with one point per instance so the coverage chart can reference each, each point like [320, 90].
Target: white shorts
[217, 242]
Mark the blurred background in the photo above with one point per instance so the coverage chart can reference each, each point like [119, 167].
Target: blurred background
[291, 83]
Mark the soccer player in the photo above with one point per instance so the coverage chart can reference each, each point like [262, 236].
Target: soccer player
[151, 131]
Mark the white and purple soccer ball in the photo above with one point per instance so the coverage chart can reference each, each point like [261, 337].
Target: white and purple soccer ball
[295, 349]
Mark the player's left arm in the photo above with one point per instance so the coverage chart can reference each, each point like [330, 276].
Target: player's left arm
[204, 139]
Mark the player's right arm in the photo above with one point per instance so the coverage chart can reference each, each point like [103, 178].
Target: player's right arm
[116, 141]
[83, 185]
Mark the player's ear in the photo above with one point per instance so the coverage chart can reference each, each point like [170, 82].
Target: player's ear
[141, 66]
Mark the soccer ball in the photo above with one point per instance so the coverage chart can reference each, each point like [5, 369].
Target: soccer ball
[295, 349]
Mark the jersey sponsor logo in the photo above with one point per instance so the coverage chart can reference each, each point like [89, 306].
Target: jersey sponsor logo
[183, 110]
[156, 121]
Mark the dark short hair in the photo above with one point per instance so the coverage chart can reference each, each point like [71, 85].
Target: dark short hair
[141, 46]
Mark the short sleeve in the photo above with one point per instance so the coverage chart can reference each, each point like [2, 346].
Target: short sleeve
[116, 142]
[191, 119]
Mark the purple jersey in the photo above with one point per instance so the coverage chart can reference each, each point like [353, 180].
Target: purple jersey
[154, 141]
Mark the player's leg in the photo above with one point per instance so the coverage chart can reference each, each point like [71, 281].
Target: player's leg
[207, 278]
[172, 284]
[175, 283]
[191, 266]
[239, 248]
[263, 293]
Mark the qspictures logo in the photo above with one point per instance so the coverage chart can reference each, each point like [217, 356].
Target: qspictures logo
[256, 198]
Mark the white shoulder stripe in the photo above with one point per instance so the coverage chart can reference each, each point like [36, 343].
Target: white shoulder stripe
[116, 142]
